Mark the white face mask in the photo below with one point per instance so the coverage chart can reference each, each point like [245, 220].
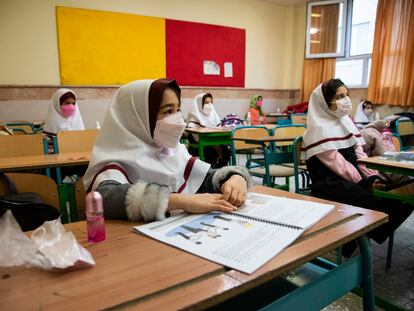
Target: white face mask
[344, 107]
[168, 131]
[207, 108]
[368, 111]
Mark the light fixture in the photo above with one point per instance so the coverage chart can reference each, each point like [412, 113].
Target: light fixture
[313, 30]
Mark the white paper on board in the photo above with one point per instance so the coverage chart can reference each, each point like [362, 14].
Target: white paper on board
[228, 70]
[211, 68]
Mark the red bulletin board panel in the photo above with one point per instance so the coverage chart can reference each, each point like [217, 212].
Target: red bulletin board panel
[188, 44]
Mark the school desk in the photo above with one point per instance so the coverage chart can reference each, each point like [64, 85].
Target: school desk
[376, 163]
[213, 137]
[404, 193]
[135, 272]
[10, 164]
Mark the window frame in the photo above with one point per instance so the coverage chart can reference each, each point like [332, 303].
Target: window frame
[341, 53]
[365, 57]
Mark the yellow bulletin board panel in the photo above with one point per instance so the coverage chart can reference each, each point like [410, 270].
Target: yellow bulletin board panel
[98, 48]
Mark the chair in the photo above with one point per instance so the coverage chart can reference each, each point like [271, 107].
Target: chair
[405, 130]
[22, 127]
[75, 141]
[300, 169]
[396, 139]
[240, 147]
[44, 186]
[21, 145]
[279, 157]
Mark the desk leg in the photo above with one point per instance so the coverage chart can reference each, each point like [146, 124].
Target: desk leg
[367, 280]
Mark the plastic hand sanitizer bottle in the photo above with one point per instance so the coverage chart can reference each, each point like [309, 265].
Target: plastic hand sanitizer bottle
[95, 217]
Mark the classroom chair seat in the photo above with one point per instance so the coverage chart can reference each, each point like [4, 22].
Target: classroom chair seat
[274, 171]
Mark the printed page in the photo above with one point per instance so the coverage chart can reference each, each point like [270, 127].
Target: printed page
[238, 243]
[282, 210]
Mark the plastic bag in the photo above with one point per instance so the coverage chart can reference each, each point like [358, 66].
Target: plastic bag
[49, 247]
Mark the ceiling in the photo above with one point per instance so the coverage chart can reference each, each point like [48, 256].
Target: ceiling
[287, 2]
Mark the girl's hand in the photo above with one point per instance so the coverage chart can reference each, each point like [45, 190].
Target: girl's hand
[378, 184]
[235, 190]
[200, 203]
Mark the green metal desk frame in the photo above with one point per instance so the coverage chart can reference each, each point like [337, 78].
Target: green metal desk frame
[313, 285]
[211, 139]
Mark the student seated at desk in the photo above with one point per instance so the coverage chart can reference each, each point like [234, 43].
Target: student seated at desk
[63, 114]
[141, 169]
[364, 113]
[257, 117]
[332, 144]
[378, 140]
[203, 114]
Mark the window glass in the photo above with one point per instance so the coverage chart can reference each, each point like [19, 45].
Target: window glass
[350, 71]
[363, 26]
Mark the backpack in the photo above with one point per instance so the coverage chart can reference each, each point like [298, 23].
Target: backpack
[231, 120]
[27, 207]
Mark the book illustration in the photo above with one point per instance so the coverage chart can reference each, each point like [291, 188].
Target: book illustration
[207, 226]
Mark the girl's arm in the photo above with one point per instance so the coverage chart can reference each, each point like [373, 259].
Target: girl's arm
[145, 201]
[363, 169]
[333, 160]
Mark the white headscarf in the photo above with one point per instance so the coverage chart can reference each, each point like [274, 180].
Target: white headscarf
[125, 150]
[196, 114]
[360, 115]
[55, 121]
[325, 131]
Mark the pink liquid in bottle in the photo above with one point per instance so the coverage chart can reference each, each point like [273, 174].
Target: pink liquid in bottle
[95, 217]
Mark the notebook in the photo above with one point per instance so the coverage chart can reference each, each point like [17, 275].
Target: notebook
[245, 239]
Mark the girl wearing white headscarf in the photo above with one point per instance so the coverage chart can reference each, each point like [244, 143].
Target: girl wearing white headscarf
[364, 113]
[203, 114]
[332, 144]
[63, 113]
[141, 169]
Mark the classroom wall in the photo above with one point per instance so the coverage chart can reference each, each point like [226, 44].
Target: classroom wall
[32, 103]
[274, 35]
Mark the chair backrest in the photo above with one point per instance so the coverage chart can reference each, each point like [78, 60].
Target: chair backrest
[44, 186]
[297, 161]
[21, 145]
[288, 130]
[248, 131]
[397, 141]
[21, 127]
[405, 127]
[76, 141]
[298, 118]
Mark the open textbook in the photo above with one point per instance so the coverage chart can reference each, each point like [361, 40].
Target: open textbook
[245, 239]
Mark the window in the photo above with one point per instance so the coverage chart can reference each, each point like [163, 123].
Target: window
[354, 69]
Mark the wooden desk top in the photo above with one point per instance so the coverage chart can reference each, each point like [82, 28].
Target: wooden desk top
[388, 163]
[44, 161]
[264, 139]
[208, 130]
[134, 271]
